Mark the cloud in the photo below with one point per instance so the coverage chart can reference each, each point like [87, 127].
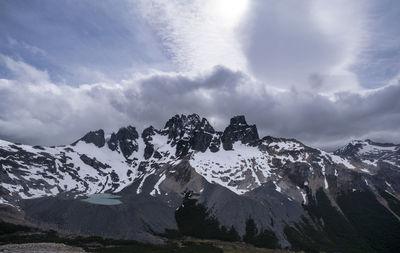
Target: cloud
[41, 112]
[379, 62]
[198, 35]
[32, 49]
[323, 72]
[324, 46]
[70, 39]
[24, 72]
[314, 45]
[289, 43]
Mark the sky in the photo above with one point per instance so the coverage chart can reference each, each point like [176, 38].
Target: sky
[324, 72]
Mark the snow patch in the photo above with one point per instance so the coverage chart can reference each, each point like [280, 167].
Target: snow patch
[233, 165]
[326, 183]
[278, 189]
[304, 195]
[156, 189]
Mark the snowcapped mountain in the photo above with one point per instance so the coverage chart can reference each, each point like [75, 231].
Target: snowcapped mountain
[235, 173]
[372, 152]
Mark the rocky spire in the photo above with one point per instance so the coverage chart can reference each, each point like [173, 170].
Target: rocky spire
[188, 132]
[239, 130]
[125, 139]
[147, 137]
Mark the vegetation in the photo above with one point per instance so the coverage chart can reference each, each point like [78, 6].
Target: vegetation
[185, 248]
[103, 245]
[393, 203]
[379, 227]
[8, 228]
[264, 239]
[195, 220]
[18, 234]
[304, 237]
[334, 233]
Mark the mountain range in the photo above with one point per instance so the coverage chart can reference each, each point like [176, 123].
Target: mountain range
[132, 185]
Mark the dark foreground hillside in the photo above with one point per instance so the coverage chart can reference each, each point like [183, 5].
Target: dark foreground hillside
[22, 237]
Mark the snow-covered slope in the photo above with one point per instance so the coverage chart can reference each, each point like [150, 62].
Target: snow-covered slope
[85, 167]
[372, 152]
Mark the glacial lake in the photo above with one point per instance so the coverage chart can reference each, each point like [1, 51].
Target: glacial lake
[103, 199]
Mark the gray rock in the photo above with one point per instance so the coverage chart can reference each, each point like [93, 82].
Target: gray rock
[125, 139]
[39, 248]
[95, 137]
[239, 130]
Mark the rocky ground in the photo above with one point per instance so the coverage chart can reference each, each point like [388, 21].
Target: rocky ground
[39, 248]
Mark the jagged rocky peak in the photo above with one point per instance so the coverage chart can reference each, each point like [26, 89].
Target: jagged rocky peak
[125, 140]
[182, 126]
[147, 136]
[238, 120]
[147, 133]
[95, 137]
[239, 130]
[189, 132]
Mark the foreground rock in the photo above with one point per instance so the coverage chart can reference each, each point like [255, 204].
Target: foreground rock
[40, 248]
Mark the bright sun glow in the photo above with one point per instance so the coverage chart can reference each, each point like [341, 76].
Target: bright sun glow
[230, 12]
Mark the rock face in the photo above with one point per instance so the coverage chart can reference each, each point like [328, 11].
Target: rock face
[188, 132]
[280, 183]
[95, 137]
[147, 138]
[239, 130]
[125, 139]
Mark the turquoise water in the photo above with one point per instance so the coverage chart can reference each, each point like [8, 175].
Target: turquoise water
[103, 199]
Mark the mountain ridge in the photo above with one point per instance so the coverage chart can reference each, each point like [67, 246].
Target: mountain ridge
[234, 173]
